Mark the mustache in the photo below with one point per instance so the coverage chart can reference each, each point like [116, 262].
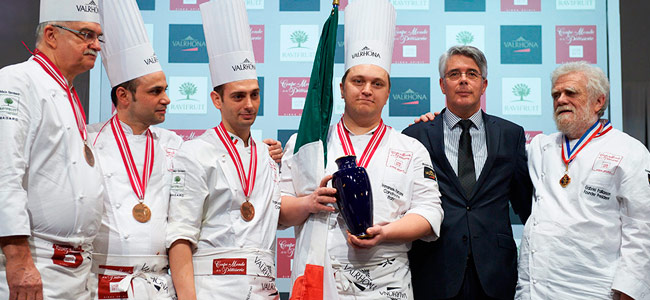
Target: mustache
[563, 108]
[90, 51]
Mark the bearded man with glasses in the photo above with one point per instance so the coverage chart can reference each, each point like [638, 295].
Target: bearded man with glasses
[480, 162]
[51, 192]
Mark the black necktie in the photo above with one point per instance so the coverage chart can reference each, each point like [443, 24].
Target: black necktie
[466, 173]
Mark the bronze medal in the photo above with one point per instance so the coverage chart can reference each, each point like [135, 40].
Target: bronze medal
[141, 213]
[565, 180]
[88, 154]
[247, 211]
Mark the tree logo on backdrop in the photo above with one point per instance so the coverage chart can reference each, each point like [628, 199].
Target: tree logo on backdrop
[527, 98]
[464, 37]
[521, 90]
[299, 37]
[188, 89]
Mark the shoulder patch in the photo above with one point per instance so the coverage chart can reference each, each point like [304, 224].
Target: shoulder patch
[648, 171]
[430, 173]
[9, 105]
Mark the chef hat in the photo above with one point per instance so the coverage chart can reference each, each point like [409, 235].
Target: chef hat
[228, 38]
[127, 53]
[369, 33]
[69, 10]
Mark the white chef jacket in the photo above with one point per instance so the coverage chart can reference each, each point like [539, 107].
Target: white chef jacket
[399, 187]
[204, 209]
[48, 190]
[593, 236]
[123, 240]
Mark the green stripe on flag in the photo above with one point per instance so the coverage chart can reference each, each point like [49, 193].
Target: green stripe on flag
[317, 112]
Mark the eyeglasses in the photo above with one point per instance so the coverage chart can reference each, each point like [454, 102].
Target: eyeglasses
[88, 36]
[470, 74]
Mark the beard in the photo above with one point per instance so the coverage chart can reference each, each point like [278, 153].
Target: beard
[576, 123]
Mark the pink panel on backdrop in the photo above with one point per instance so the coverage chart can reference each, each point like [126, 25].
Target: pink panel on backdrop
[291, 95]
[257, 36]
[574, 43]
[521, 5]
[530, 135]
[185, 4]
[343, 4]
[483, 103]
[286, 247]
[411, 44]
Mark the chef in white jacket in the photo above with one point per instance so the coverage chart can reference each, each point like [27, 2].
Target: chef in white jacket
[588, 236]
[406, 199]
[51, 184]
[130, 257]
[225, 204]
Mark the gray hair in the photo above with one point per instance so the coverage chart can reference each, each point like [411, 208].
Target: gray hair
[597, 82]
[468, 51]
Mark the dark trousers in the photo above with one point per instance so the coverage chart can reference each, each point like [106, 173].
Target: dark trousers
[471, 288]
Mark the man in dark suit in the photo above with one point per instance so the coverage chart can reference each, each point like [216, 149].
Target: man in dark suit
[480, 161]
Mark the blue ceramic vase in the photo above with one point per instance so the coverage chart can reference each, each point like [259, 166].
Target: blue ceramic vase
[353, 195]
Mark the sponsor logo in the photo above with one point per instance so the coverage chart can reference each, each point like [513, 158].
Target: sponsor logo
[530, 135]
[8, 104]
[521, 44]
[229, 266]
[465, 5]
[393, 293]
[648, 171]
[399, 160]
[90, 7]
[257, 37]
[286, 248]
[146, 4]
[299, 5]
[521, 5]
[298, 42]
[151, 60]
[292, 93]
[411, 4]
[188, 134]
[365, 51]
[522, 96]
[471, 35]
[607, 163]
[361, 278]
[187, 44]
[254, 4]
[339, 51]
[411, 44]
[430, 173]
[245, 65]
[574, 43]
[409, 96]
[188, 95]
[575, 4]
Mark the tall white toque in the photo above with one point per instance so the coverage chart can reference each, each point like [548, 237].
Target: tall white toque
[69, 10]
[369, 33]
[228, 39]
[127, 53]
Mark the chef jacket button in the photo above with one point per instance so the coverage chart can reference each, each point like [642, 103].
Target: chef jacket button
[533, 251]
[534, 281]
[67, 127]
[53, 94]
[543, 174]
[79, 230]
[534, 223]
[74, 162]
[80, 198]
[109, 175]
[126, 236]
[100, 146]
[118, 205]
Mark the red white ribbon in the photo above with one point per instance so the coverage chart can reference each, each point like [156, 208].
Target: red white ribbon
[348, 149]
[596, 130]
[54, 72]
[247, 183]
[138, 183]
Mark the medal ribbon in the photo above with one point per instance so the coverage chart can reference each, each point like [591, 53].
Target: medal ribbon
[54, 72]
[596, 130]
[247, 183]
[137, 183]
[348, 149]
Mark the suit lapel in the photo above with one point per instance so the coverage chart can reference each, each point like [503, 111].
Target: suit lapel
[492, 136]
[438, 145]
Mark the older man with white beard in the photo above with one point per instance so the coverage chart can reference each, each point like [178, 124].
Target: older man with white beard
[588, 236]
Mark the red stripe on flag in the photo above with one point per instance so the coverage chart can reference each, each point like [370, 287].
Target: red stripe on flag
[309, 286]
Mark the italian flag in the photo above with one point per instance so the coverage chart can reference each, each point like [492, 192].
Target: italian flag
[312, 274]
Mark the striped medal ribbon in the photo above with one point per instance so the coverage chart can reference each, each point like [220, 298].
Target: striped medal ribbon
[375, 140]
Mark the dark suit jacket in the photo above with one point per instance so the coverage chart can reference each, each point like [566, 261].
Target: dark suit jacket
[437, 268]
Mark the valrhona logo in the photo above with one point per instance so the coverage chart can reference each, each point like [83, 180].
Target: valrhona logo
[151, 59]
[366, 51]
[409, 97]
[243, 66]
[189, 44]
[90, 7]
[521, 45]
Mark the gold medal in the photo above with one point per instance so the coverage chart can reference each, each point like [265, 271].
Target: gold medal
[247, 211]
[141, 213]
[88, 154]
